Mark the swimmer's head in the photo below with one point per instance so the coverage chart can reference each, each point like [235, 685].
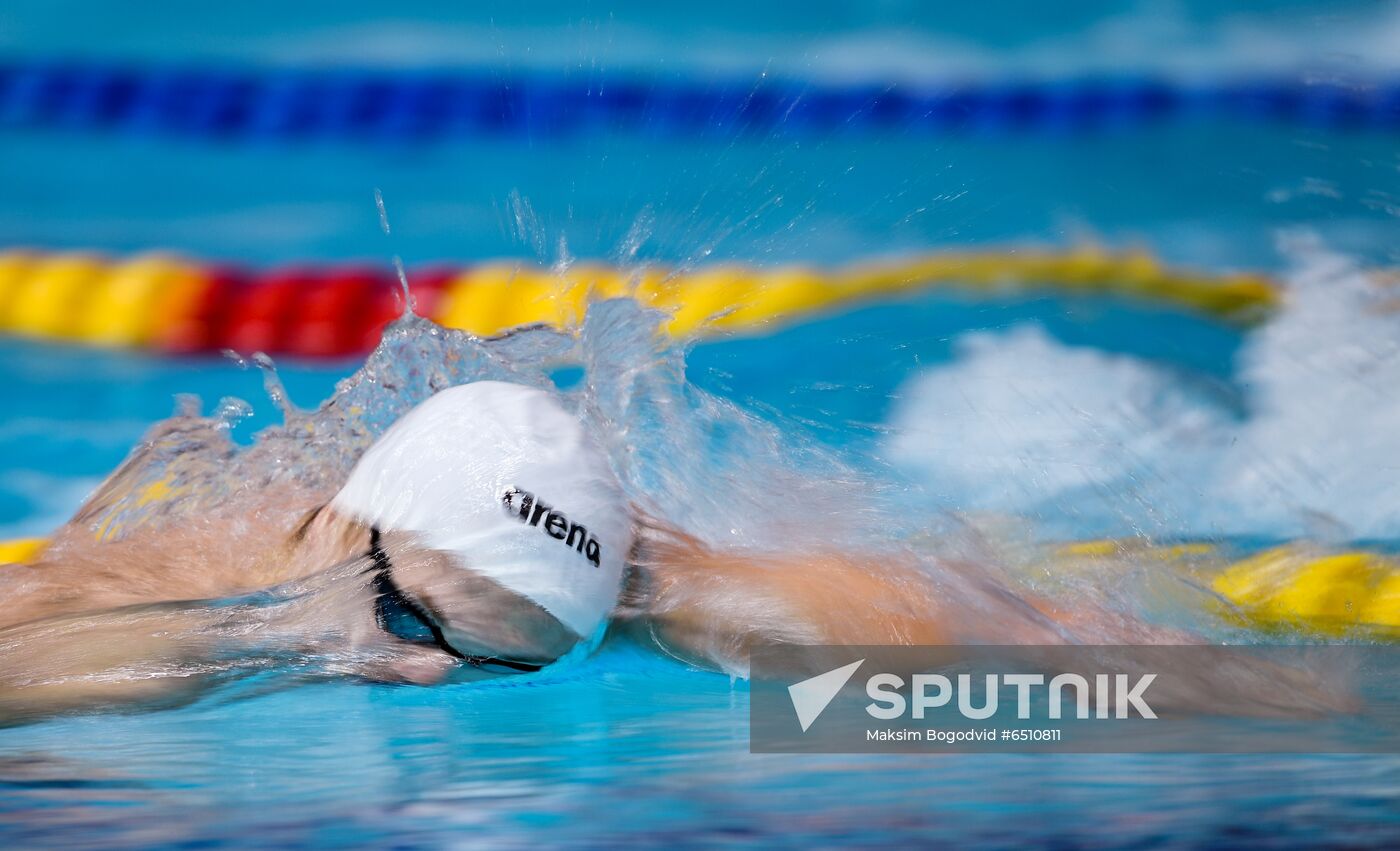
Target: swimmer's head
[518, 527]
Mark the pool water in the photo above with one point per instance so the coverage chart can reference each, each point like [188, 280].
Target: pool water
[1082, 417]
[629, 748]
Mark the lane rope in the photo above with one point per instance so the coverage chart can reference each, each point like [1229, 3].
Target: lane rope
[409, 105]
[165, 303]
[1292, 589]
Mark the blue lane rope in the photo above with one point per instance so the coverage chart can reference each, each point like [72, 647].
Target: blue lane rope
[414, 105]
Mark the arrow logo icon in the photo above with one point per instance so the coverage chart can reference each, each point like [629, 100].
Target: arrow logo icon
[811, 697]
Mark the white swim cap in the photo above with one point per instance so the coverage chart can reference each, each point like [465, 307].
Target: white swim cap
[502, 477]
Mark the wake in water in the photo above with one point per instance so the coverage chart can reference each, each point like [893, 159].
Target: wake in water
[200, 560]
[1084, 440]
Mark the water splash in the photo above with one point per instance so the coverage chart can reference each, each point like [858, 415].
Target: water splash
[1094, 443]
[230, 412]
[404, 291]
[1041, 429]
[683, 453]
[525, 226]
[274, 388]
[563, 260]
[637, 235]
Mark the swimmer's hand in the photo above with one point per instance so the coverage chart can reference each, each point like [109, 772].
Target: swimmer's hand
[167, 654]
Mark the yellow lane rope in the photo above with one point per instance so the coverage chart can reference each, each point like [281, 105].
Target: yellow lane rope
[1295, 588]
[167, 303]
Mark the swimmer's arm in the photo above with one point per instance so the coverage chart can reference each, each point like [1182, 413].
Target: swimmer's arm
[713, 607]
[168, 654]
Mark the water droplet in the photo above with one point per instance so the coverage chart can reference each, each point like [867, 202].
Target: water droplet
[525, 225]
[562, 261]
[637, 235]
[383, 214]
[272, 385]
[231, 410]
[403, 287]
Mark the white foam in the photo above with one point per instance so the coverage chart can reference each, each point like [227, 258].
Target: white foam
[1020, 423]
[1091, 442]
[1323, 435]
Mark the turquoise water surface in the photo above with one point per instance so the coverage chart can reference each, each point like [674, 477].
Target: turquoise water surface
[1274, 433]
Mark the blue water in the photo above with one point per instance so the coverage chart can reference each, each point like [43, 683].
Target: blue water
[628, 746]
[633, 749]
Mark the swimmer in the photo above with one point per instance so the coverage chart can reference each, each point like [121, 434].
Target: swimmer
[483, 533]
